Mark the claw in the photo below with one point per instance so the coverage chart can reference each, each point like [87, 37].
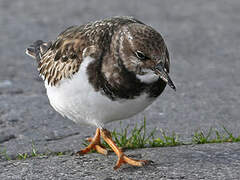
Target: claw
[124, 159]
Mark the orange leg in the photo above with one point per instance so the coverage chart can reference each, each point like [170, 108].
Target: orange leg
[94, 144]
[122, 158]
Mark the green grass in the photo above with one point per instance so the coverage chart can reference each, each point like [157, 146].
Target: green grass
[214, 136]
[140, 138]
[34, 153]
[3, 154]
[166, 140]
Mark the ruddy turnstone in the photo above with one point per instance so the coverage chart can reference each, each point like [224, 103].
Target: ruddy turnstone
[104, 71]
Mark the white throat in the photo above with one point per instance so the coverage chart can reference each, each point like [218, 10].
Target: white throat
[148, 77]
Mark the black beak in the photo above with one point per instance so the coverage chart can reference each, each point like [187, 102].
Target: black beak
[163, 74]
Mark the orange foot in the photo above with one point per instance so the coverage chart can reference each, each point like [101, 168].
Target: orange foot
[94, 144]
[122, 158]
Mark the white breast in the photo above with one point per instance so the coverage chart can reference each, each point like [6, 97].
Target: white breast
[76, 99]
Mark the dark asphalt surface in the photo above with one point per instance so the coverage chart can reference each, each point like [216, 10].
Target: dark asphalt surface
[203, 41]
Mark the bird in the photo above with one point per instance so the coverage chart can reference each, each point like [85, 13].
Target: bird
[104, 71]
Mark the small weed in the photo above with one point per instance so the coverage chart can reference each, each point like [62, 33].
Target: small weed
[201, 137]
[59, 153]
[230, 137]
[22, 156]
[214, 136]
[34, 152]
[139, 138]
[52, 153]
[4, 155]
[165, 140]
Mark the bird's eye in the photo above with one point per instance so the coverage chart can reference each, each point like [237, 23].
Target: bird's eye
[140, 55]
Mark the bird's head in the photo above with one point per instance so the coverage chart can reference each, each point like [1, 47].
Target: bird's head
[142, 50]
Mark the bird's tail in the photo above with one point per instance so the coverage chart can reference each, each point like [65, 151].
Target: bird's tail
[37, 49]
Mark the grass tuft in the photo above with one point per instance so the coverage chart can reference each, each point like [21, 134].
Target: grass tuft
[214, 136]
[4, 155]
[34, 153]
[166, 140]
[139, 138]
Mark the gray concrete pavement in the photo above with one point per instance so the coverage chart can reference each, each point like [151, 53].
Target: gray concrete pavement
[209, 161]
[203, 40]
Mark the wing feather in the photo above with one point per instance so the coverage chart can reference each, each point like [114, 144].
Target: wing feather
[63, 57]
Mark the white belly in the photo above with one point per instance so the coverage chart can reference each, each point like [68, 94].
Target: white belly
[76, 99]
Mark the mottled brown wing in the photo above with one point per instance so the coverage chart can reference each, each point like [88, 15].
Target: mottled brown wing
[63, 58]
